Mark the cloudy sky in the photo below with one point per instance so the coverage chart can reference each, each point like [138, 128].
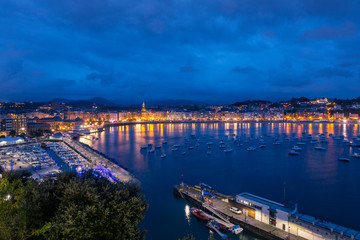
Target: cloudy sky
[213, 50]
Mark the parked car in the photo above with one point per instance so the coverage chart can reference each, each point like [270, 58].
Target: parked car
[235, 210]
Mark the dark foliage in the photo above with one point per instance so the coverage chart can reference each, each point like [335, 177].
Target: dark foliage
[70, 207]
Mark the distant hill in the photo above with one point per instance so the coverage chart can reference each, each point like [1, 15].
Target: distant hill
[252, 102]
[165, 102]
[172, 102]
[87, 103]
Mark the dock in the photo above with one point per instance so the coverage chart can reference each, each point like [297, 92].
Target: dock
[263, 217]
[220, 209]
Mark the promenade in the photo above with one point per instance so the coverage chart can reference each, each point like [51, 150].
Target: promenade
[95, 159]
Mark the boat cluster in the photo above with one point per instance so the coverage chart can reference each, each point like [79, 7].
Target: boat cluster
[215, 224]
[30, 157]
[224, 143]
[66, 154]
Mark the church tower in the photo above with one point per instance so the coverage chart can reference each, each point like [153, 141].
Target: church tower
[143, 107]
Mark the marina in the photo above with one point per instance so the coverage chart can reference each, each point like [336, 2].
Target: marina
[49, 157]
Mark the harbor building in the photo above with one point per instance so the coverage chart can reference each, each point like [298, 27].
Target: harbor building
[266, 211]
[290, 220]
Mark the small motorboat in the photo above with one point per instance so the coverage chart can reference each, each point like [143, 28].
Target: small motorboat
[174, 149]
[191, 147]
[158, 146]
[292, 152]
[320, 148]
[183, 153]
[344, 159]
[151, 151]
[163, 155]
[218, 225]
[144, 147]
[300, 143]
[251, 149]
[228, 150]
[262, 146]
[199, 214]
[356, 155]
[296, 148]
[164, 142]
[208, 152]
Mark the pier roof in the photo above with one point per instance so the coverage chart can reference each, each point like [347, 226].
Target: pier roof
[272, 205]
[319, 222]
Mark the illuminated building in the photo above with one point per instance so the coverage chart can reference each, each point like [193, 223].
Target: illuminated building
[13, 122]
[143, 109]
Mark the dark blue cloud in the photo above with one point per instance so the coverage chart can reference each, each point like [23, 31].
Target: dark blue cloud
[151, 49]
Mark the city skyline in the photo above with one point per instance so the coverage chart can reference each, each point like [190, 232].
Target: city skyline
[219, 51]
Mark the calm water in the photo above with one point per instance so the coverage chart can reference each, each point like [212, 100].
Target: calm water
[316, 180]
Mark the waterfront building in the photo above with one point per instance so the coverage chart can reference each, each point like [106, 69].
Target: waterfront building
[339, 115]
[266, 211]
[353, 116]
[287, 218]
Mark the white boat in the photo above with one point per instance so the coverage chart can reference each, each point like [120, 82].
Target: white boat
[300, 143]
[163, 155]
[176, 145]
[356, 155]
[262, 146]
[320, 148]
[277, 143]
[251, 149]
[145, 147]
[208, 152]
[164, 142]
[183, 153]
[228, 150]
[174, 149]
[292, 152]
[191, 147]
[158, 146]
[151, 151]
[296, 148]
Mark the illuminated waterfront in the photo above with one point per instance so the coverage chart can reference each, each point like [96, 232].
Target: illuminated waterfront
[262, 172]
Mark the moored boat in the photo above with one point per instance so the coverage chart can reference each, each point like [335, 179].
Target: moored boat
[292, 152]
[344, 159]
[199, 214]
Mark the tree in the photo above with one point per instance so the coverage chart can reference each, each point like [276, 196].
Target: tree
[74, 207]
[12, 133]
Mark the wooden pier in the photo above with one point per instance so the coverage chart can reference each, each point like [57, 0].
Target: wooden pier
[220, 208]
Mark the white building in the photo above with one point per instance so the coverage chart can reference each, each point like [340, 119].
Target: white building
[266, 211]
[290, 220]
[11, 141]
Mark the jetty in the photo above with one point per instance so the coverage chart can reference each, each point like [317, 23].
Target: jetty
[289, 224]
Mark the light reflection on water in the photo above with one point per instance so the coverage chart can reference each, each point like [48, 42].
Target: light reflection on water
[187, 213]
[316, 180]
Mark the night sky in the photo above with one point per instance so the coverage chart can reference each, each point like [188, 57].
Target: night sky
[222, 51]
